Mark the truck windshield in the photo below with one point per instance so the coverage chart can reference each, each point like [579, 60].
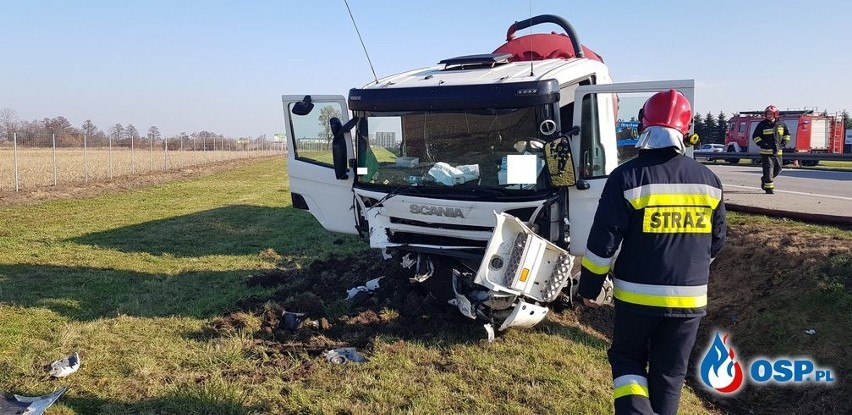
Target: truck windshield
[453, 151]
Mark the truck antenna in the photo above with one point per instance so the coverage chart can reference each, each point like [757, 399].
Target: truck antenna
[532, 73]
[362, 41]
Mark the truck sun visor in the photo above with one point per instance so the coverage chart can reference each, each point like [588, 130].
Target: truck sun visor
[456, 97]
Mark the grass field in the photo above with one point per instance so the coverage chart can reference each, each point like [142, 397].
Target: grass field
[35, 165]
[134, 280]
[150, 287]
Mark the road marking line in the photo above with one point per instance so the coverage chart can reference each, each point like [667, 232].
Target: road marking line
[790, 192]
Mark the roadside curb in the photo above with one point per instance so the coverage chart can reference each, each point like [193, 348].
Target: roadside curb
[800, 216]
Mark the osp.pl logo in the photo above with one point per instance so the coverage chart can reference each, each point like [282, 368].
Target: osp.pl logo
[721, 373]
[719, 370]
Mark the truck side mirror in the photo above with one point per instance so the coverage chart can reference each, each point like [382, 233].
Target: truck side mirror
[560, 164]
[303, 107]
[338, 146]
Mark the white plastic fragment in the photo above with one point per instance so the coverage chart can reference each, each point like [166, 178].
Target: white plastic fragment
[65, 366]
[352, 292]
[343, 355]
[373, 284]
[27, 405]
[810, 332]
[489, 330]
[407, 261]
[368, 287]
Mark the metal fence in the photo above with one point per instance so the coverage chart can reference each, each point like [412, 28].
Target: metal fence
[28, 162]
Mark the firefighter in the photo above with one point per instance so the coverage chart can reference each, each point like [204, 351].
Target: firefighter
[771, 135]
[666, 212]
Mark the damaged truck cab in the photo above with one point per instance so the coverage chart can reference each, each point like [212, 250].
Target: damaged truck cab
[483, 172]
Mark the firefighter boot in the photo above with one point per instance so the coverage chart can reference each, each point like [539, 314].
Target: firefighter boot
[769, 188]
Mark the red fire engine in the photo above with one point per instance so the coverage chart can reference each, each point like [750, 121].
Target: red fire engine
[809, 132]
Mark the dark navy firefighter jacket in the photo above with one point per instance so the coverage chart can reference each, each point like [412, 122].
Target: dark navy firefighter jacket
[666, 212]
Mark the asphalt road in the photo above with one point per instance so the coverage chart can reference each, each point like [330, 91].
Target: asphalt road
[801, 194]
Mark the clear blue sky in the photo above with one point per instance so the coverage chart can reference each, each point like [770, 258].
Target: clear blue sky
[223, 65]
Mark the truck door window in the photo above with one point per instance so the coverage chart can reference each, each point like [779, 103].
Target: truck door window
[602, 126]
[591, 151]
[742, 127]
[312, 133]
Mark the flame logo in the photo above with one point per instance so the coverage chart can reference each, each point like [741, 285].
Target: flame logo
[719, 370]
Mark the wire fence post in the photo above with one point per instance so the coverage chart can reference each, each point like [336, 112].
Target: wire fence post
[15, 153]
[109, 156]
[86, 157]
[53, 137]
[165, 153]
[132, 158]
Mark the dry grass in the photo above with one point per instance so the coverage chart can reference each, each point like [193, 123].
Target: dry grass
[74, 165]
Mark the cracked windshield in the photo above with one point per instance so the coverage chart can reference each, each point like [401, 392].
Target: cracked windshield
[494, 149]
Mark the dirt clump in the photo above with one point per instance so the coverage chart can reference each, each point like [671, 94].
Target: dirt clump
[322, 316]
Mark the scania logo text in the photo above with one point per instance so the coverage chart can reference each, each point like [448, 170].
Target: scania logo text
[449, 212]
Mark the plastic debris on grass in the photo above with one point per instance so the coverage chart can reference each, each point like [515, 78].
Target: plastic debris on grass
[291, 321]
[369, 286]
[26, 405]
[65, 366]
[344, 355]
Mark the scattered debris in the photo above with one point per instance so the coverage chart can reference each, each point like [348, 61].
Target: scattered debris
[373, 283]
[291, 321]
[489, 329]
[407, 261]
[810, 332]
[26, 405]
[424, 269]
[344, 355]
[355, 294]
[65, 366]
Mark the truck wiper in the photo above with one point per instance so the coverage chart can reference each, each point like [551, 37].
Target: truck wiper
[395, 191]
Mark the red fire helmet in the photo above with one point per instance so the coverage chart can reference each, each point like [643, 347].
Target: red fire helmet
[668, 109]
[773, 109]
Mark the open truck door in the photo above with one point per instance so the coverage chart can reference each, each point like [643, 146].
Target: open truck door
[318, 159]
[596, 148]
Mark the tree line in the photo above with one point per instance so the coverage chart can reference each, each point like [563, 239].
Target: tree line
[40, 133]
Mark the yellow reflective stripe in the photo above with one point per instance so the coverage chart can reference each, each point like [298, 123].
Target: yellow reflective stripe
[765, 151]
[675, 200]
[631, 389]
[768, 186]
[660, 300]
[595, 268]
[758, 139]
[779, 152]
[786, 138]
[768, 131]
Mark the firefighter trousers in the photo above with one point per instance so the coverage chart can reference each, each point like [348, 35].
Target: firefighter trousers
[649, 357]
[771, 169]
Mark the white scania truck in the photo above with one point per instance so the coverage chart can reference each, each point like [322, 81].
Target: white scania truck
[482, 173]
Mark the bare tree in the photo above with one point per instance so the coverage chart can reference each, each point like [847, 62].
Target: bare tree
[153, 133]
[327, 113]
[116, 132]
[131, 132]
[89, 128]
[8, 123]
